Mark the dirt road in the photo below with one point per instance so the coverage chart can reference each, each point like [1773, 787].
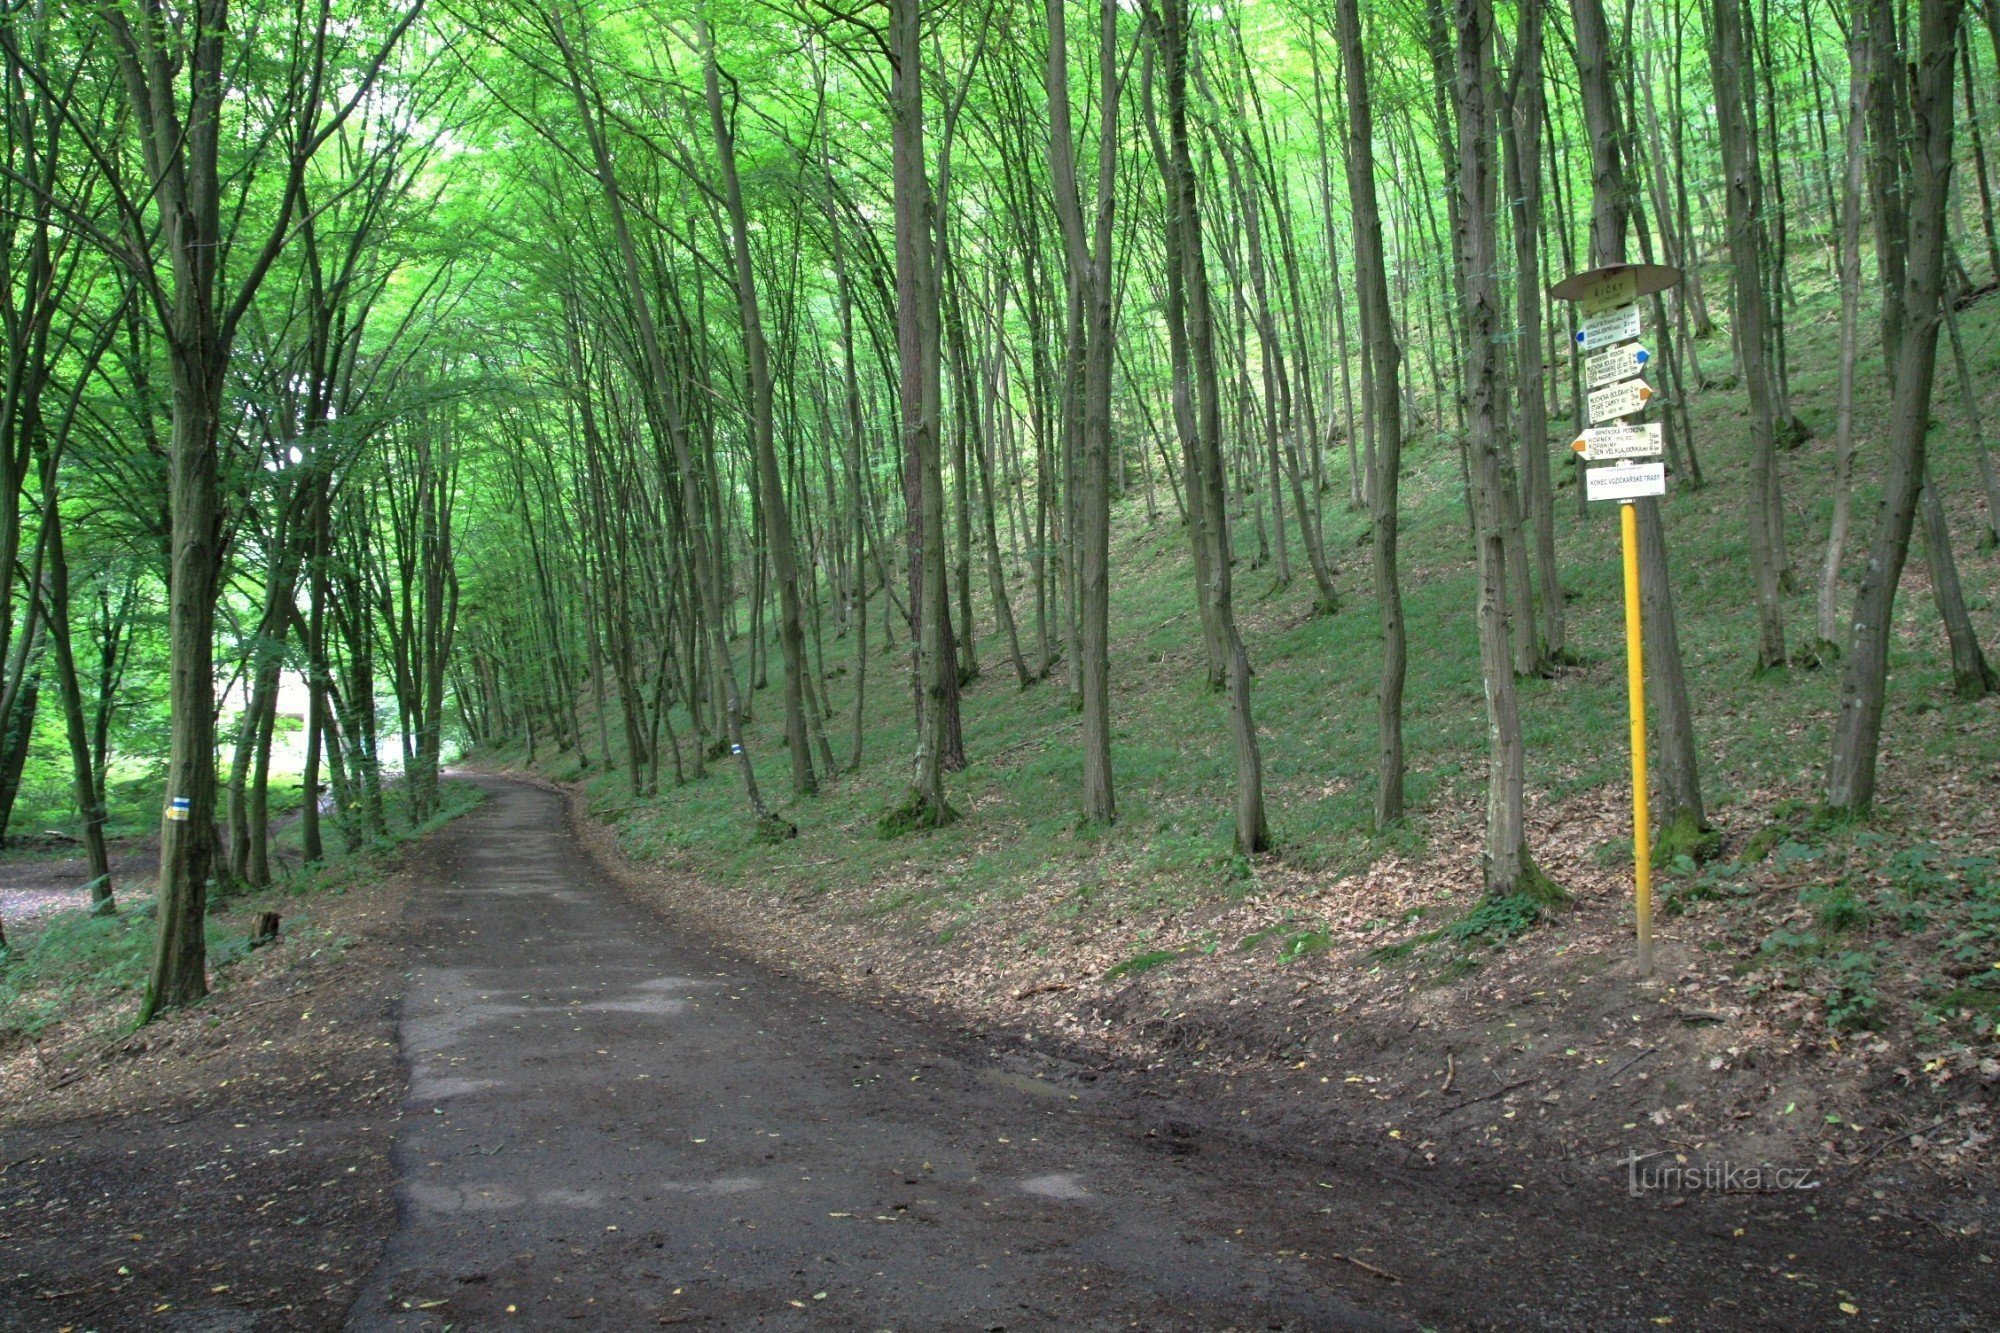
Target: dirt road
[611, 1127]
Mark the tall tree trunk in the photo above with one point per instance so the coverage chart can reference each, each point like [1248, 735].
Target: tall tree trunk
[1678, 806]
[777, 518]
[1743, 198]
[1384, 411]
[1198, 396]
[85, 783]
[1509, 868]
[917, 346]
[1526, 111]
[1971, 678]
[188, 851]
[1826, 620]
[1090, 294]
[1850, 783]
[1975, 425]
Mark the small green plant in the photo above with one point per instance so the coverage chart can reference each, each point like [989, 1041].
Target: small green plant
[1917, 871]
[1978, 1000]
[1691, 884]
[1495, 921]
[1760, 844]
[1785, 940]
[1851, 1002]
[1838, 907]
[1143, 962]
[1300, 943]
[1792, 854]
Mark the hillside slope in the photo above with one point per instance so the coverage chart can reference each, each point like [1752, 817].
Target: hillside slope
[1804, 976]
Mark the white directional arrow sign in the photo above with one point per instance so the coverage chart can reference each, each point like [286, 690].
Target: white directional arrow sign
[1612, 364]
[1620, 400]
[1613, 326]
[1626, 481]
[1599, 443]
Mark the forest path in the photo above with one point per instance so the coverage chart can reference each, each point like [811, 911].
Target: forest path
[610, 1125]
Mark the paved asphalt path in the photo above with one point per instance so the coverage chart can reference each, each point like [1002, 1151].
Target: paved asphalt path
[609, 1127]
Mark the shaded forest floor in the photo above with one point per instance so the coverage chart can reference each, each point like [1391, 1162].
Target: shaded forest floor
[1826, 995]
[229, 1163]
[229, 1158]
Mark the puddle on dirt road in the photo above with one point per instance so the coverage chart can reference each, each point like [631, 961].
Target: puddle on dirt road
[645, 1004]
[495, 1198]
[1056, 1185]
[425, 1088]
[1034, 1087]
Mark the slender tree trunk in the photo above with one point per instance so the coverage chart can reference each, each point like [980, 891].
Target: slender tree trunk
[1384, 410]
[1679, 807]
[1199, 399]
[1743, 196]
[1972, 679]
[1826, 621]
[918, 354]
[89, 803]
[1850, 785]
[1090, 295]
[1509, 868]
[1524, 187]
[777, 519]
[1989, 476]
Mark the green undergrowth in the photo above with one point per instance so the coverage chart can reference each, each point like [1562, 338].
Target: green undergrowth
[1170, 851]
[73, 965]
[1459, 946]
[1851, 907]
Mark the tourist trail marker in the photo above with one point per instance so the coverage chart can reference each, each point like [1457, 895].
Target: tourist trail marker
[1620, 362]
[1627, 481]
[1601, 288]
[1612, 288]
[1599, 444]
[1607, 298]
[1612, 326]
[1620, 400]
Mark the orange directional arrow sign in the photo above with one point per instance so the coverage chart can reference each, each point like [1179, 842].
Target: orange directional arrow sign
[1620, 400]
[1599, 443]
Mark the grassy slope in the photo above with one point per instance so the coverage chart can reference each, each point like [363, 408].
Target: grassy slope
[1021, 865]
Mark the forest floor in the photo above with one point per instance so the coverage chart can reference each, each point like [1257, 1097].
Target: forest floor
[604, 1116]
[613, 1121]
[227, 1166]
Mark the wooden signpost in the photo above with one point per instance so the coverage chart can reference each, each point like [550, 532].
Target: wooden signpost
[1608, 298]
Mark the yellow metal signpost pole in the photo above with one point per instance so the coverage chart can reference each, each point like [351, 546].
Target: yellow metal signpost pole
[1608, 298]
[1635, 688]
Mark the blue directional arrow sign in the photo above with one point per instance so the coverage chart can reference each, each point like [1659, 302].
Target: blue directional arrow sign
[1620, 362]
[1611, 326]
